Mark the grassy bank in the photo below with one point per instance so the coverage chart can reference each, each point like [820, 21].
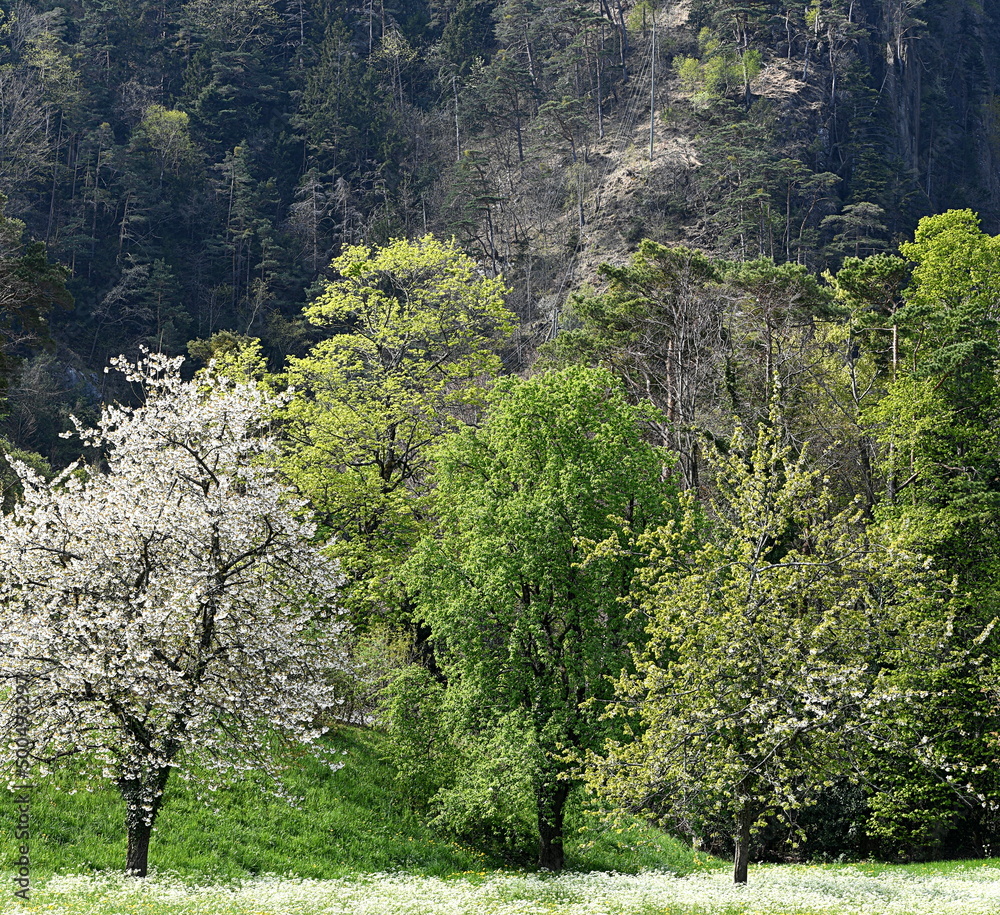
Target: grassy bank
[347, 822]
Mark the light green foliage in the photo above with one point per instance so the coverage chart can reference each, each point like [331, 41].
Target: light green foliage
[640, 16]
[940, 420]
[167, 135]
[939, 428]
[539, 513]
[414, 334]
[719, 71]
[232, 356]
[779, 640]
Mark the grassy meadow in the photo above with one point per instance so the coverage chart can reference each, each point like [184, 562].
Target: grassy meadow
[351, 846]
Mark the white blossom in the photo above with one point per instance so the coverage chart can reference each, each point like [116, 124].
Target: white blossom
[166, 604]
[784, 890]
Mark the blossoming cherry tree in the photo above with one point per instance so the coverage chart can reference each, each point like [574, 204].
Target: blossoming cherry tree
[165, 606]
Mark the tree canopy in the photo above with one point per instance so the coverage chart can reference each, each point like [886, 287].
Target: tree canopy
[413, 336]
[782, 634]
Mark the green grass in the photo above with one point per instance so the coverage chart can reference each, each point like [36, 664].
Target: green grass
[348, 822]
[352, 847]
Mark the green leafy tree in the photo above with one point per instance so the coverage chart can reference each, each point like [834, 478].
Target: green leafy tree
[871, 289]
[859, 356]
[861, 228]
[165, 136]
[780, 633]
[943, 403]
[415, 331]
[525, 579]
[939, 430]
[718, 71]
[771, 328]
[500, 98]
[660, 328]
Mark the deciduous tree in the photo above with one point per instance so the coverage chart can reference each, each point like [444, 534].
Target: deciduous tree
[780, 635]
[939, 430]
[164, 608]
[525, 580]
[414, 333]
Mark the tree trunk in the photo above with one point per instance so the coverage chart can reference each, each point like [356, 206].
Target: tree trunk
[137, 856]
[143, 800]
[741, 858]
[551, 813]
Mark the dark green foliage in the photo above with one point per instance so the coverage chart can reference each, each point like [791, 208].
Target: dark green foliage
[659, 327]
[30, 286]
[938, 425]
[467, 35]
[302, 126]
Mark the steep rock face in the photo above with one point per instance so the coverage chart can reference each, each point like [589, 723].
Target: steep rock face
[898, 69]
[890, 105]
[939, 74]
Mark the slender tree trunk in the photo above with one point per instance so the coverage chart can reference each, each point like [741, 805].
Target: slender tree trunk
[623, 42]
[599, 47]
[458, 138]
[551, 814]
[741, 858]
[531, 62]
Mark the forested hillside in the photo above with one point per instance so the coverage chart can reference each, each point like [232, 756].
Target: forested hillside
[638, 363]
[195, 166]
